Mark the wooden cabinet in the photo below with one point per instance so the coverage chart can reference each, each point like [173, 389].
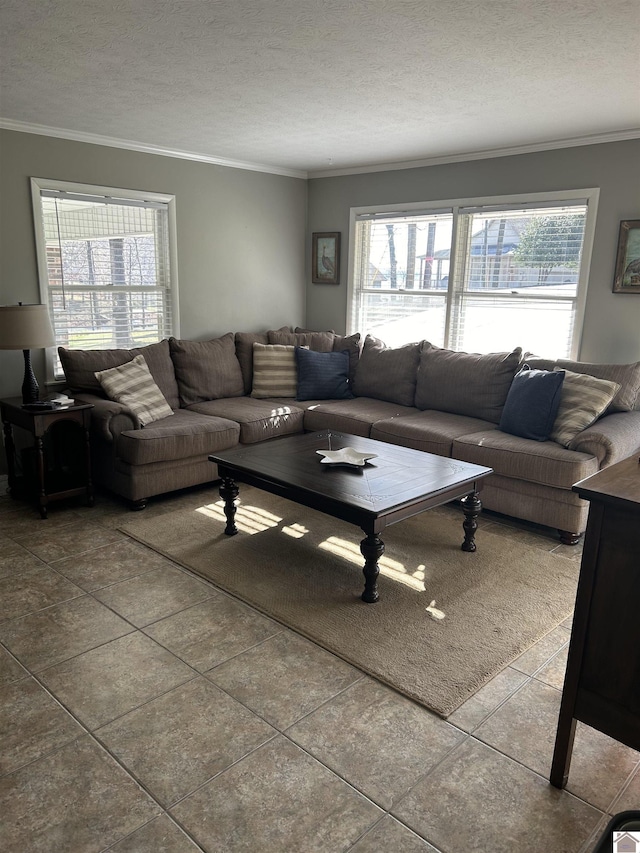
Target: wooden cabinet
[57, 464]
[602, 682]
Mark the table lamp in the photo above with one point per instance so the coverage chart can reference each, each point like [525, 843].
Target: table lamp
[26, 327]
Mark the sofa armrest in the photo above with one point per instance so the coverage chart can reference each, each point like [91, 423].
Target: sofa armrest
[108, 418]
[610, 439]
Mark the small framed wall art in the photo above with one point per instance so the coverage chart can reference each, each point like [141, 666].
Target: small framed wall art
[325, 257]
[627, 275]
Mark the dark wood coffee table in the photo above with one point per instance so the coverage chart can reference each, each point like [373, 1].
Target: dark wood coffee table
[397, 484]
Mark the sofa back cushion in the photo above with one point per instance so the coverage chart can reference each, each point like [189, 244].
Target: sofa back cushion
[321, 342]
[626, 375]
[244, 352]
[80, 367]
[317, 341]
[465, 383]
[206, 370]
[387, 374]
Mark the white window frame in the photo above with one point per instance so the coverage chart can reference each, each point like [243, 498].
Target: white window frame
[38, 184]
[591, 195]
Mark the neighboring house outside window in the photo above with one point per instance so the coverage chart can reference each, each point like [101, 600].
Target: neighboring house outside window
[106, 261]
[476, 275]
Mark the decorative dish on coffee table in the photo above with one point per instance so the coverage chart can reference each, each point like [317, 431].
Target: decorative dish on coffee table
[345, 456]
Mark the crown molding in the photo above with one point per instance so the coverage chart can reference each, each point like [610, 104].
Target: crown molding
[486, 154]
[144, 148]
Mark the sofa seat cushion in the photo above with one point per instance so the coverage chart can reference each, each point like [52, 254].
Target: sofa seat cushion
[542, 462]
[354, 417]
[257, 419]
[430, 431]
[181, 436]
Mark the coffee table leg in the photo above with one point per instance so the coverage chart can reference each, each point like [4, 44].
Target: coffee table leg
[229, 492]
[471, 507]
[372, 548]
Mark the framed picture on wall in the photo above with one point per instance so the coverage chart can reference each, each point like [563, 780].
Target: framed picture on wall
[325, 257]
[627, 275]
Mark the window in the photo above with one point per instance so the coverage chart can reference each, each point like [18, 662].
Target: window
[106, 265]
[475, 276]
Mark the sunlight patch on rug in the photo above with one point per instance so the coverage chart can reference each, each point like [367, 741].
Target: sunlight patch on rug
[248, 519]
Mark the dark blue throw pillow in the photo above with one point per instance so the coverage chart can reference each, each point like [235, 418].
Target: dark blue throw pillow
[322, 375]
[532, 403]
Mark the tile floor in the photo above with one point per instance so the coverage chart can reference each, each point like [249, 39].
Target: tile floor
[144, 711]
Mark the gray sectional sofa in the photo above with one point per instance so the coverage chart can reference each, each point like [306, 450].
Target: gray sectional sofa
[418, 396]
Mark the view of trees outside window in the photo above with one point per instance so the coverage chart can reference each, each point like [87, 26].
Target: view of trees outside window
[85, 312]
[513, 280]
[107, 266]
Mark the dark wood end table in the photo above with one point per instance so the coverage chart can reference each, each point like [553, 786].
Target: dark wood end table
[602, 681]
[399, 483]
[52, 484]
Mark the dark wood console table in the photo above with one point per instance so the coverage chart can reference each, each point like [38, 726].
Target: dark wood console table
[52, 481]
[602, 682]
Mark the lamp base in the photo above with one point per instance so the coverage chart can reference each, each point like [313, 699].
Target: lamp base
[30, 388]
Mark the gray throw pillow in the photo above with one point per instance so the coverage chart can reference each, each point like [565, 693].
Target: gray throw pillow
[465, 383]
[207, 370]
[584, 398]
[132, 385]
[387, 374]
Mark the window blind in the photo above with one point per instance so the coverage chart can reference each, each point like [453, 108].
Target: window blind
[477, 278]
[517, 280]
[108, 270]
[402, 269]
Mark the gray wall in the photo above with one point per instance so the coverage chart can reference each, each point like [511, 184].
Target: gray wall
[241, 234]
[611, 329]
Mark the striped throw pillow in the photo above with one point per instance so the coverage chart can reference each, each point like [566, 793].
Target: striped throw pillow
[132, 385]
[275, 373]
[584, 399]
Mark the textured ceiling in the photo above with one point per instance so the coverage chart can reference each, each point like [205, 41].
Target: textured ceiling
[316, 85]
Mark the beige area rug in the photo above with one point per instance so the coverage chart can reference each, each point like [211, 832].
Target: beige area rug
[304, 569]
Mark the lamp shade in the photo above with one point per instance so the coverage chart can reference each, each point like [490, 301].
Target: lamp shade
[25, 327]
